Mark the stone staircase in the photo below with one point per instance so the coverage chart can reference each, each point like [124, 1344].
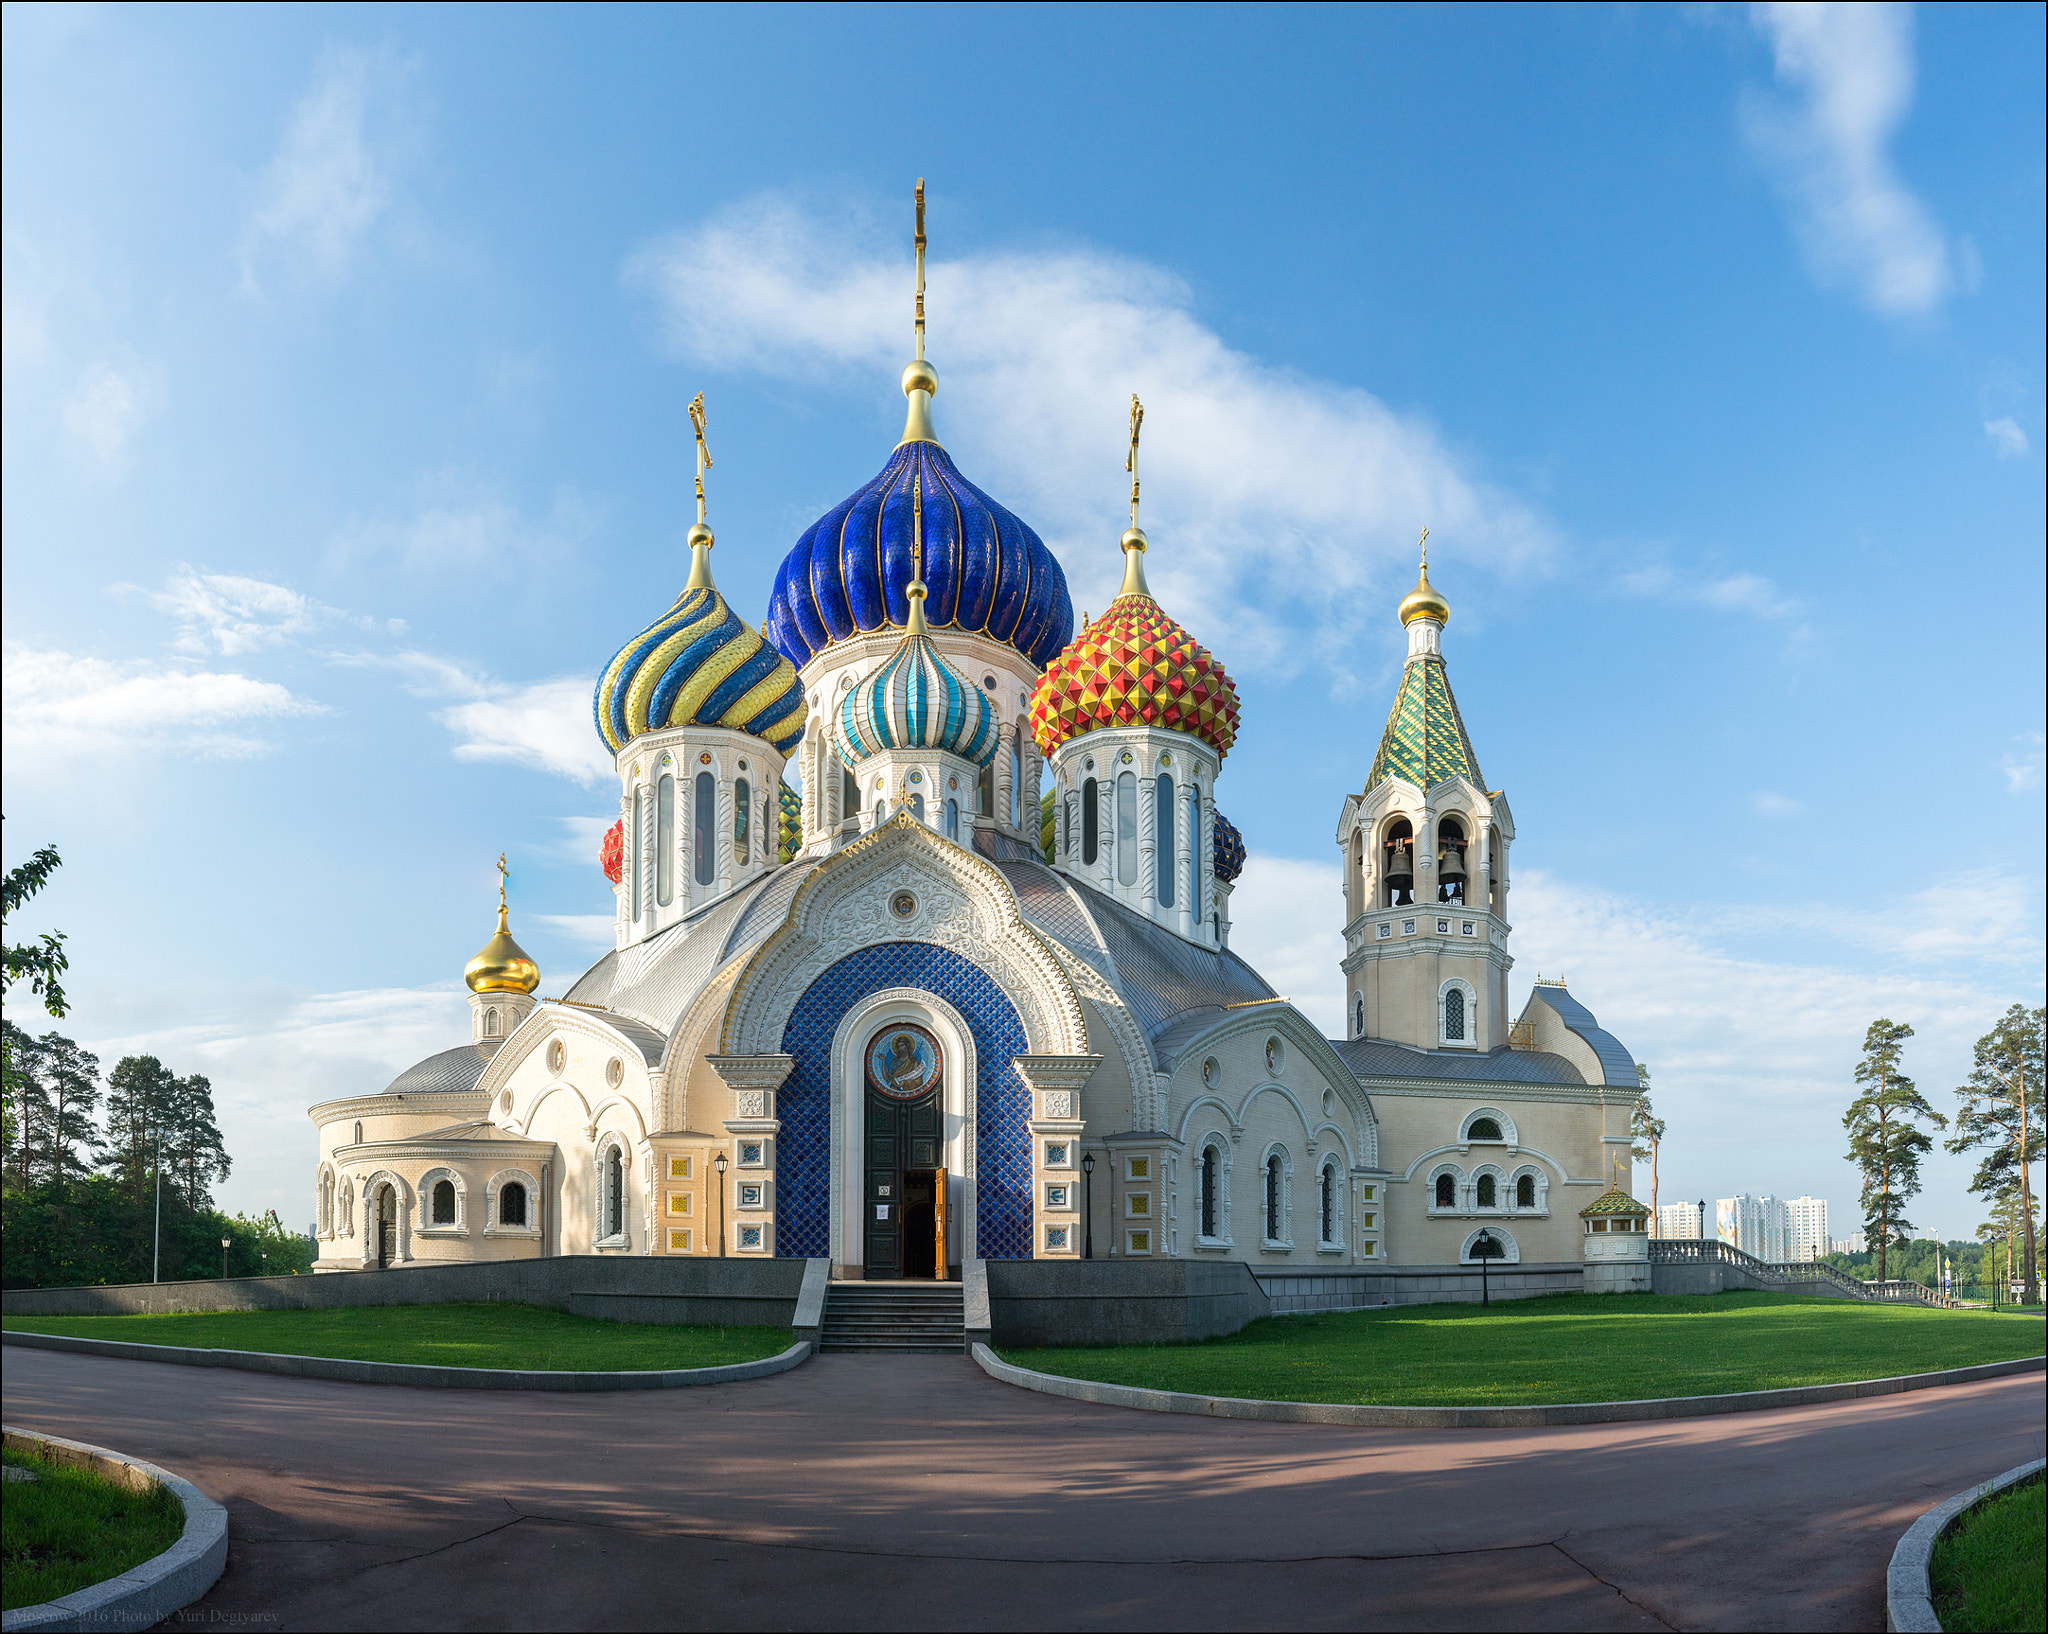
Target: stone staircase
[894, 1316]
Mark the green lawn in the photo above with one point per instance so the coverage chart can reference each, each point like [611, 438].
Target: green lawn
[68, 1529]
[1991, 1571]
[1563, 1348]
[489, 1335]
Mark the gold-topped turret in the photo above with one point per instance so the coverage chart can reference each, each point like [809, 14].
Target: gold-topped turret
[920, 379]
[1134, 542]
[700, 538]
[501, 964]
[1423, 601]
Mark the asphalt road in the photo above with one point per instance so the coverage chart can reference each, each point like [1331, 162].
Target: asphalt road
[914, 1492]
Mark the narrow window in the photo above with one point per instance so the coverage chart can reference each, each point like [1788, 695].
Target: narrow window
[1486, 1191]
[512, 1205]
[635, 887]
[1358, 1017]
[490, 1024]
[953, 820]
[1210, 1163]
[359, 1131]
[706, 827]
[742, 818]
[1329, 1205]
[1195, 853]
[1163, 842]
[849, 794]
[1127, 828]
[614, 1194]
[881, 811]
[1091, 820]
[985, 791]
[444, 1202]
[1016, 780]
[1273, 1198]
[917, 805]
[1525, 1191]
[1446, 1192]
[1454, 1013]
[665, 841]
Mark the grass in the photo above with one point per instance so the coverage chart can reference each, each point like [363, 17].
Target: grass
[1562, 1348]
[69, 1529]
[1991, 1570]
[499, 1334]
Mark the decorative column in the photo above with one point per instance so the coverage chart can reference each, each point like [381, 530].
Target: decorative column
[750, 1186]
[1056, 1082]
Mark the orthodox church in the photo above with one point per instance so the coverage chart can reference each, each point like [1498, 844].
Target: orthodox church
[970, 994]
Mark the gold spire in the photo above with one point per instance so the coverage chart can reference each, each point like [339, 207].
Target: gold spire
[700, 537]
[916, 590]
[1423, 601]
[501, 964]
[1134, 541]
[920, 381]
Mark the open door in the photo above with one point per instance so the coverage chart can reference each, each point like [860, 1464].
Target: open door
[940, 1209]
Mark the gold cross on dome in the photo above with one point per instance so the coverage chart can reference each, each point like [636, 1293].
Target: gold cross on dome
[504, 874]
[1422, 544]
[1131, 463]
[703, 449]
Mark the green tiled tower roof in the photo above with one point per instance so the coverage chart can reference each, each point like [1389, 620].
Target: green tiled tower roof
[1425, 740]
[1613, 1201]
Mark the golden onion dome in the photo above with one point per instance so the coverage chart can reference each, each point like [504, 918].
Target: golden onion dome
[501, 964]
[1424, 602]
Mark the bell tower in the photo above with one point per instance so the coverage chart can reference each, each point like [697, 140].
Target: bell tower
[1425, 848]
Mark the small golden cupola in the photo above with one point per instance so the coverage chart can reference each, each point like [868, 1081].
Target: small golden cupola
[1423, 601]
[501, 979]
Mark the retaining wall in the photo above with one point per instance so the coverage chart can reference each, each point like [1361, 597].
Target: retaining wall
[1120, 1302]
[717, 1292]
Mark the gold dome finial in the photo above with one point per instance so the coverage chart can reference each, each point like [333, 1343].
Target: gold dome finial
[915, 590]
[1134, 542]
[920, 380]
[700, 537]
[501, 964]
[1423, 601]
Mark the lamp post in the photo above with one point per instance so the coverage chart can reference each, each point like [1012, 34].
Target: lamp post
[718, 1163]
[1088, 1202]
[1484, 1250]
[156, 1250]
[224, 1258]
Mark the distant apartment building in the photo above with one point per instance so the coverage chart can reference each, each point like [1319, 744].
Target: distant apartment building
[1756, 1225]
[1681, 1220]
[1851, 1244]
[1806, 1228]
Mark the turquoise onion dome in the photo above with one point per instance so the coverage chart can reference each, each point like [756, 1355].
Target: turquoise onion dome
[700, 665]
[916, 700]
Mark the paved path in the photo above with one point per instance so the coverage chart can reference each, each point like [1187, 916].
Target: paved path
[890, 1493]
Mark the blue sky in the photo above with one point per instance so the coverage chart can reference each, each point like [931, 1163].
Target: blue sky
[347, 352]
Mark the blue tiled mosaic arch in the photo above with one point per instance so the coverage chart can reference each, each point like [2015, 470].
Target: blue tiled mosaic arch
[1002, 1102]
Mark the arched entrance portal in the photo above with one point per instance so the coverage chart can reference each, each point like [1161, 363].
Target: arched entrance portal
[386, 1214]
[904, 1181]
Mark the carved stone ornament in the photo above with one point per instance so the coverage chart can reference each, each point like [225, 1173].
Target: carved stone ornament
[1059, 1103]
[750, 1103]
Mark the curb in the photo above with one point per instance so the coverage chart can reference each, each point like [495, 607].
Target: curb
[1908, 1597]
[410, 1373]
[1482, 1418]
[144, 1595]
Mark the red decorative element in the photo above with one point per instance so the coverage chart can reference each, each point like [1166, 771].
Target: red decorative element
[1134, 666]
[611, 856]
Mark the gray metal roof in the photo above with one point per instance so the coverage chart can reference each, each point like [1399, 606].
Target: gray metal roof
[452, 1070]
[1378, 1058]
[1618, 1064]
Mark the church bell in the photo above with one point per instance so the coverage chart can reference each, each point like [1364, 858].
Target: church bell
[1398, 865]
[1451, 865]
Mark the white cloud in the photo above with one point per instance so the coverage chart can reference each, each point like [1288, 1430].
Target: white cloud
[1277, 502]
[584, 929]
[104, 410]
[1748, 593]
[2007, 438]
[2023, 766]
[1286, 922]
[464, 529]
[1767, 804]
[324, 189]
[542, 724]
[1851, 70]
[59, 705]
[231, 615]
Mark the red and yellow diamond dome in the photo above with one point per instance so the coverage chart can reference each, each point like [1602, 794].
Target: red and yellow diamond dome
[1134, 666]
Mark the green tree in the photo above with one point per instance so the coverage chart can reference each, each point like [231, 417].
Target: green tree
[1886, 1141]
[140, 1091]
[71, 1087]
[1648, 1130]
[37, 963]
[193, 1151]
[1995, 1114]
[28, 1103]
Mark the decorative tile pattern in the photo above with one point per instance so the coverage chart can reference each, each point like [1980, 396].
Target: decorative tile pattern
[1002, 1102]
[1134, 666]
[1425, 740]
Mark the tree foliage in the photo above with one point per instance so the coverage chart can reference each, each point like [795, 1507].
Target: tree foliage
[2001, 1116]
[1886, 1141]
[1647, 1130]
[38, 963]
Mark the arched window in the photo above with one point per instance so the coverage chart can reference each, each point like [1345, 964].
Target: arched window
[1397, 853]
[1212, 1167]
[614, 1194]
[512, 1204]
[1483, 1129]
[1275, 1197]
[1446, 1191]
[1450, 862]
[1195, 854]
[359, 1131]
[1486, 1191]
[985, 791]
[634, 888]
[1091, 820]
[1163, 846]
[1016, 779]
[1329, 1204]
[491, 1023]
[917, 805]
[1525, 1191]
[742, 818]
[326, 1205]
[444, 1202]
[1454, 1013]
[849, 795]
[1127, 828]
[953, 820]
[881, 811]
[704, 847]
[665, 840]
[1358, 1017]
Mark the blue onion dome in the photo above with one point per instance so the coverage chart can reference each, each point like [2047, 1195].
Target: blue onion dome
[986, 571]
[699, 664]
[916, 700]
[1227, 848]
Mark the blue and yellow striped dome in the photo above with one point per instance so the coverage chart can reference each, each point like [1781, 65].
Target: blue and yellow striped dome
[916, 700]
[699, 665]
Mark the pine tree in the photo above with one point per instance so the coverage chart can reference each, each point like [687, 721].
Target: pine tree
[1648, 1130]
[71, 1079]
[193, 1147]
[2002, 1110]
[28, 1103]
[139, 1097]
[1885, 1140]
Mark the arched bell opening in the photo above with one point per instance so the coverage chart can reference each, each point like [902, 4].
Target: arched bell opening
[1450, 862]
[1397, 851]
[1496, 880]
